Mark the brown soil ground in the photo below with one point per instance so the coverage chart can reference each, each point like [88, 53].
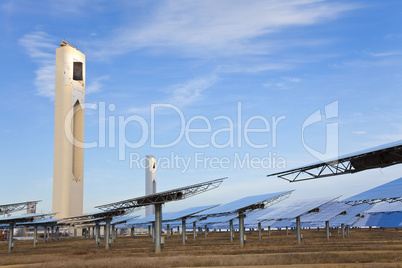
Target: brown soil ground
[364, 248]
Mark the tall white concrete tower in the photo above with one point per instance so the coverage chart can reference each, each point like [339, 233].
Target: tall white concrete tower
[68, 163]
[150, 181]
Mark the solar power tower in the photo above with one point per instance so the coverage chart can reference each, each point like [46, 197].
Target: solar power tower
[377, 157]
[158, 199]
[150, 181]
[68, 162]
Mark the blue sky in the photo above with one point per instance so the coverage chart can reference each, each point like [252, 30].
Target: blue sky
[198, 63]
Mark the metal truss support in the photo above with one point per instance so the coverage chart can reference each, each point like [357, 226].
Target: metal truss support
[315, 172]
[163, 197]
[345, 165]
[9, 208]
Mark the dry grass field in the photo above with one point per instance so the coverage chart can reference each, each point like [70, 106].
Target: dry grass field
[365, 248]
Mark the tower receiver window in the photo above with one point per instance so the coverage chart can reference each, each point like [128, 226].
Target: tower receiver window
[77, 71]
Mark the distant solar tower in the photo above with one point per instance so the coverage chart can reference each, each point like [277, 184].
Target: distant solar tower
[68, 163]
[150, 181]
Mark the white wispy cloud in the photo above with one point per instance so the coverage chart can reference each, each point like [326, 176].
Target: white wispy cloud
[251, 68]
[393, 36]
[181, 95]
[96, 84]
[359, 132]
[368, 63]
[41, 48]
[143, 111]
[277, 85]
[190, 92]
[67, 6]
[282, 82]
[206, 28]
[72, 8]
[8, 7]
[372, 59]
[393, 134]
[385, 54]
[291, 79]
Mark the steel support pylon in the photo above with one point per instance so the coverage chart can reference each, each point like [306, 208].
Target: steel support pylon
[241, 229]
[158, 228]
